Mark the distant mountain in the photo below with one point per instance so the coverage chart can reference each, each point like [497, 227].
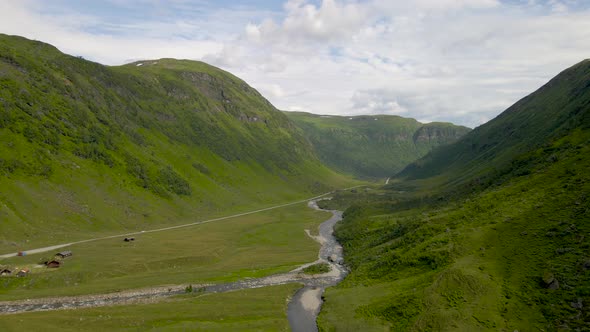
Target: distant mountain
[553, 111]
[90, 147]
[373, 146]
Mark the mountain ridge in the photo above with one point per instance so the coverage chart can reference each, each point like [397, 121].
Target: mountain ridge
[372, 146]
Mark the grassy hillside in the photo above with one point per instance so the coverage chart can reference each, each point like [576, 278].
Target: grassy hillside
[88, 149]
[544, 116]
[512, 253]
[373, 146]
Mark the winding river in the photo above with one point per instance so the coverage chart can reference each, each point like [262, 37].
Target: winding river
[302, 309]
[306, 304]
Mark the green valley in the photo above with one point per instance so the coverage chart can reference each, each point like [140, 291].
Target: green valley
[374, 146]
[184, 197]
[90, 151]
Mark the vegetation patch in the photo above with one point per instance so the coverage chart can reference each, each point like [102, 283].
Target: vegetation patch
[317, 268]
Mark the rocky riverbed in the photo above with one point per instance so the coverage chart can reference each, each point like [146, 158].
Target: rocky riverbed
[305, 306]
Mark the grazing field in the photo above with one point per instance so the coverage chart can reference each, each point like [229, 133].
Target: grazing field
[261, 309]
[227, 250]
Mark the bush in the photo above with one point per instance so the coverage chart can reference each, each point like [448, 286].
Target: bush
[173, 182]
[317, 269]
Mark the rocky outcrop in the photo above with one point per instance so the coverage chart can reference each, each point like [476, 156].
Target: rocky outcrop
[439, 133]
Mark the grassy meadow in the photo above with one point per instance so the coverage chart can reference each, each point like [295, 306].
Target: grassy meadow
[260, 309]
[249, 246]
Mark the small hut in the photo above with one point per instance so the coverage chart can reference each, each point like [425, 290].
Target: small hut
[64, 254]
[129, 239]
[5, 272]
[53, 264]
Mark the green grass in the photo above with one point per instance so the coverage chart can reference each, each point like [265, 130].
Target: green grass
[375, 146]
[261, 309]
[250, 246]
[476, 262]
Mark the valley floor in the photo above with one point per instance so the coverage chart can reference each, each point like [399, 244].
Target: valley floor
[164, 294]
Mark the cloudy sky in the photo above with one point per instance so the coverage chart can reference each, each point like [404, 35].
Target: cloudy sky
[462, 61]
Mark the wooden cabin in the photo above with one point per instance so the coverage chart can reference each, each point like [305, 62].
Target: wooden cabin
[53, 264]
[64, 254]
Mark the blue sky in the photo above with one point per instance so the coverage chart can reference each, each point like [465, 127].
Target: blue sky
[462, 61]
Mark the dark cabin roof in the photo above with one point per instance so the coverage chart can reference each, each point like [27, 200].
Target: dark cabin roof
[53, 263]
[64, 253]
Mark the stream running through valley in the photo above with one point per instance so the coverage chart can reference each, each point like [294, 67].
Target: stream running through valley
[302, 309]
[305, 305]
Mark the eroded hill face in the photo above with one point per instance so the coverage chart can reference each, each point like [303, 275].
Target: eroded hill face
[86, 146]
[373, 146]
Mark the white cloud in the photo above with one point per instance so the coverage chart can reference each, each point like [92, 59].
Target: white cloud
[376, 102]
[68, 32]
[272, 91]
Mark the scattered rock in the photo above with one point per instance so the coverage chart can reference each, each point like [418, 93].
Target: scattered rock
[554, 285]
[586, 264]
[550, 281]
[577, 305]
[523, 233]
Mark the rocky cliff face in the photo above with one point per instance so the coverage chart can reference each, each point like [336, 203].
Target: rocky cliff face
[438, 133]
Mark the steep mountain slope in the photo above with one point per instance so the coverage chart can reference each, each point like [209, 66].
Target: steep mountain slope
[373, 146]
[510, 254]
[89, 148]
[549, 113]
